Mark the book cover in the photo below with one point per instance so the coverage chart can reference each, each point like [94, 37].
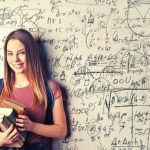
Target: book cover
[5, 102]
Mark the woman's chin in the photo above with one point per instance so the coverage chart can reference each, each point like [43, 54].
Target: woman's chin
[19, 71]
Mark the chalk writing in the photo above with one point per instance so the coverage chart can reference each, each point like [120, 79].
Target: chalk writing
[99, 51]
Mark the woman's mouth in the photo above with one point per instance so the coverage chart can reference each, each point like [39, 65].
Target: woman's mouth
[18, 66]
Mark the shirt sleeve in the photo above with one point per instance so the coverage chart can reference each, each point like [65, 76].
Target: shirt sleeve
[55, 89]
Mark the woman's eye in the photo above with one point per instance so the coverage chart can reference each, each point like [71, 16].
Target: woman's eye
[22, 53]
[9, 54]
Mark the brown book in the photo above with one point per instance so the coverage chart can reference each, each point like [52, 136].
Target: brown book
[7, 117]
[5, 102]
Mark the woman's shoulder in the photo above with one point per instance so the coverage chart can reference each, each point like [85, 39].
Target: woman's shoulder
[52, 83]
[55, 88]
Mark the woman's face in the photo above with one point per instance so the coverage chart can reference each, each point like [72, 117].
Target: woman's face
[16, 56]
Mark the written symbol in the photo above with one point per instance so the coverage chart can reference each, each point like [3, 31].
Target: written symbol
[140, 9]
[116, 142]
[93, 138]
[55, 61]
[90, 20]
[57, 46]
[143, 81]
[92, 130]
[128, 143]
[86, 82]
[122, 125]
[99, 118]
[51, 20]
[113, 10]
[62, 75]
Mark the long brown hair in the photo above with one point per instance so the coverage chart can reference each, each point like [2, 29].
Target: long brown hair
[34, 70]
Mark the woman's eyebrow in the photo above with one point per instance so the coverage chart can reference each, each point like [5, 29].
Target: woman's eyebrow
[17, 50]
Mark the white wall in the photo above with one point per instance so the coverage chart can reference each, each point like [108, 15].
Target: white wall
[99, 51]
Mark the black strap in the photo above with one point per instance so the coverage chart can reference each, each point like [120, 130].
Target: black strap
[1, 85]
[50, 103]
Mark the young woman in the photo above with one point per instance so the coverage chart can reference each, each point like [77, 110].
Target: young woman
[25, 82]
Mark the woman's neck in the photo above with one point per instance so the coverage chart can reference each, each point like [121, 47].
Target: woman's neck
[21, 81]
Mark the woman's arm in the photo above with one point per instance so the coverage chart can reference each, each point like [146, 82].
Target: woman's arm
[57, 130]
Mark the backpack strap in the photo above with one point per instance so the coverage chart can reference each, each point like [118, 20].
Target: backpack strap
[1, 85]
[50, 103]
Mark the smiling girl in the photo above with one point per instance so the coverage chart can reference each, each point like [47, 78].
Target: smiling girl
[25, 82]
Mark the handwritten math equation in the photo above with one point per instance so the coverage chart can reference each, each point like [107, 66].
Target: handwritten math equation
[99, 50]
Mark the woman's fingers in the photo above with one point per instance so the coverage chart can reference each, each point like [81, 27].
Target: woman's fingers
[9, 130]
[24, 123]
[20, 121]
[13, 134]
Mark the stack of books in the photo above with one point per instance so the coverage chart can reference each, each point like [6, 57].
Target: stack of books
[9, 109]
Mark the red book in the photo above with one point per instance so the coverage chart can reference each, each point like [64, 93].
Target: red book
[5, 102]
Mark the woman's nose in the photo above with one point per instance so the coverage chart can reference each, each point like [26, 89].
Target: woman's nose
[15, 57]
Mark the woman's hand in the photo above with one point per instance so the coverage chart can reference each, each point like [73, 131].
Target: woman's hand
[23, 123]
[9, 136]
